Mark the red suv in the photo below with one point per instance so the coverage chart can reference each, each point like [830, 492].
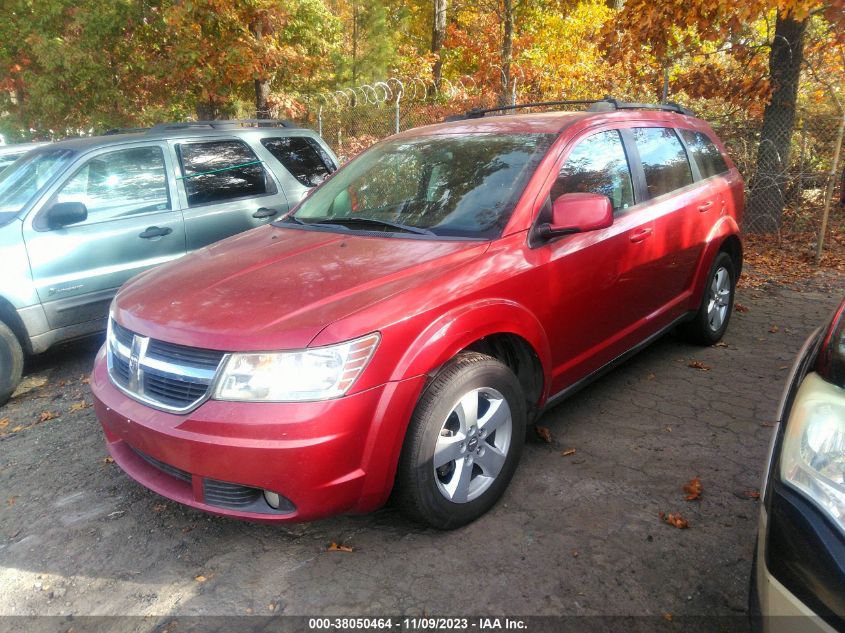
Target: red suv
[398, 330]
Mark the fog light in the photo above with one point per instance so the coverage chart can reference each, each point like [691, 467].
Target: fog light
[272, 498]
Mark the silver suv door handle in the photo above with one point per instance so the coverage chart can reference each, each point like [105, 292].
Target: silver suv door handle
[155, 231]
[264, 212]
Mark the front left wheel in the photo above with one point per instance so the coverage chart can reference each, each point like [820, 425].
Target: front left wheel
[463, 443]
[11, 363]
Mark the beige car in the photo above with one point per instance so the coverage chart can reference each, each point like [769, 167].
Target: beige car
[798, 577]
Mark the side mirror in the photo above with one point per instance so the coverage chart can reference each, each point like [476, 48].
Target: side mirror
[64, 213]
[578, 213]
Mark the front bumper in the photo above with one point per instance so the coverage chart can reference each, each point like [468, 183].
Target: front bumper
[325, 457]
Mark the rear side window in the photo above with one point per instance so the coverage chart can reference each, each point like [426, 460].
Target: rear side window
[222, 170]
[302, 157]
[118, 184]
[664, 160]
[598, 165]
[705, 153]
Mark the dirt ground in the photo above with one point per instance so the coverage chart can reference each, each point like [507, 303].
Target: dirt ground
[577, 533]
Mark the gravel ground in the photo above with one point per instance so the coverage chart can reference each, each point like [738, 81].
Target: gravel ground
[577, 533]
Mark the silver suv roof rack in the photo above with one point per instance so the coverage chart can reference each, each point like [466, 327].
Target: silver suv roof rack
[222, 125]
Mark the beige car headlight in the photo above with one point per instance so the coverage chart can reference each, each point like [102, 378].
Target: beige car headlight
[319, 373]
[813, 455]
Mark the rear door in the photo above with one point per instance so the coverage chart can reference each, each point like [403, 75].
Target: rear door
[133, 223]
[225, 189]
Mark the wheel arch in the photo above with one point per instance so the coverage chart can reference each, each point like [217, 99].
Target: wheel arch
[12, 319]
[724, 237]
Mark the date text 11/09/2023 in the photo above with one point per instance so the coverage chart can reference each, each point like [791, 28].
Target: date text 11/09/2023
[417, 624]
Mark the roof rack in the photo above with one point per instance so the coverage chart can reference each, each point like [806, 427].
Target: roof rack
[596, 105]
[222, 125]
[125, 130]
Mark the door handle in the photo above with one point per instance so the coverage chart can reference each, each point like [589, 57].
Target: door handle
[705, 206]
[264, 212]
[640, 235]
[155, 231]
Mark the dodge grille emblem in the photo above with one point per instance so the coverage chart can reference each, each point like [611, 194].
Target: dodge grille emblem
[136, 355]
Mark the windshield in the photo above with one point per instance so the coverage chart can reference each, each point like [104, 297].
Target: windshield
[456, 186]
[26, 177]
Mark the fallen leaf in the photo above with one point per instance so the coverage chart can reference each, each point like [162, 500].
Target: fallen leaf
[697, 364]
[774, 329]
[693, 489]
[108, 460]
[185, 530]
[783, 367]
[752, 494]
[544, 434]
[85, 380]
[79, 406]
[668, 429]
[668, 616]
[740, 308]
[575, 553]
[159, 507]
[4, 423]
[767, 424]
[200, 578]
[334, 547]
[651, 377]
[568, 452]
[18, 428]
[721, 344]
[675, 520]
[47, 415]
[11, 501]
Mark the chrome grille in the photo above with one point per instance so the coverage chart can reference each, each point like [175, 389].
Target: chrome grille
[167, 376]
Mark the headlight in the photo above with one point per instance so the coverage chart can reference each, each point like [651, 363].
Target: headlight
[310, 374]
[813, 457]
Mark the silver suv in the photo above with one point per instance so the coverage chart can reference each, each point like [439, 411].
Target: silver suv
[80, 217]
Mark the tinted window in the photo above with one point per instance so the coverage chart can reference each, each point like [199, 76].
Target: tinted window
[705, 153]
[598, 165]
[664, 160]
[120, 183]
[302, 157]
[462, 186]
[222, 170]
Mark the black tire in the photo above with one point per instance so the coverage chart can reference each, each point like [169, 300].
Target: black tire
[421, 491]
[700, 329]
[11, 363]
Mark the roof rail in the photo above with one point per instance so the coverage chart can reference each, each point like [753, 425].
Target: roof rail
[596, 105]
[222, 125]
[125, 130]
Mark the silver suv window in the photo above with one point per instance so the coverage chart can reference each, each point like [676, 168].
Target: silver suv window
[302, 157]
[24, 181]
[120, 183]
[216, 171]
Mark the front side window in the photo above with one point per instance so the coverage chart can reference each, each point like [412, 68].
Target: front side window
[705, 153]
[598, 165]
[302, 157]
[8, 159]
[217, 171]
[664, 160]
[120, 183]
[450, 185]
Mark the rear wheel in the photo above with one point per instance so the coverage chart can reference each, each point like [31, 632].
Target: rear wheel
[11, 363]
[463, 443]
[710, 323]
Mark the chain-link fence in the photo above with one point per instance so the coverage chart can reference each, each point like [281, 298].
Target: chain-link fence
[790, 179]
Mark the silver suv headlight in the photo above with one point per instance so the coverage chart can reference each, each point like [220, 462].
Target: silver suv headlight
[319, 373]
[813, 455]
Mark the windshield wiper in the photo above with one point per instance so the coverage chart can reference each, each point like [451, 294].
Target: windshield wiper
[352, 222]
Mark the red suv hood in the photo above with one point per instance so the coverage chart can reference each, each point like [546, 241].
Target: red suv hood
[274, 288]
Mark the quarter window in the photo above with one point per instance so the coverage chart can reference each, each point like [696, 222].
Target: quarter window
[222, 170]
[663, 158]
[598, 165]
[302, 157]
[705, 153]
[121, 183]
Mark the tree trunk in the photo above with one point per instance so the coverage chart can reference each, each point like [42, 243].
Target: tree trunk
[507, 51]
[207, 111]
[262, 84]
[438, 35]
[768, 185]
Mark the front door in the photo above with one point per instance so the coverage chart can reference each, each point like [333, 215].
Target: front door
[133, 223]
